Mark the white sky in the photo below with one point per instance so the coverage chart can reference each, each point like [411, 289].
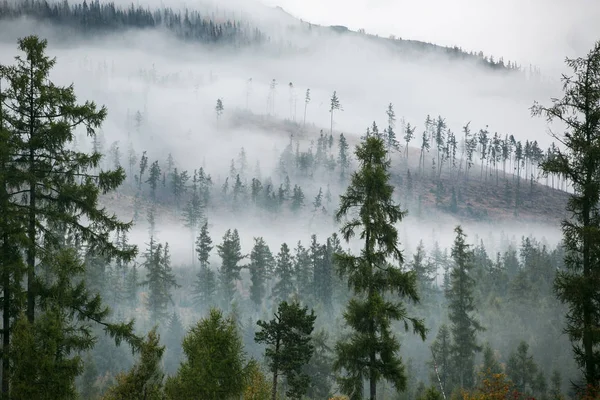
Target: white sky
[542, 32]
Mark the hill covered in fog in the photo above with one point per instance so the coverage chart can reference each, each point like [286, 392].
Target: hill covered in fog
[224, 26]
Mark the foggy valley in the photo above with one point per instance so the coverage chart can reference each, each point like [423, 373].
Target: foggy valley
[264, 163]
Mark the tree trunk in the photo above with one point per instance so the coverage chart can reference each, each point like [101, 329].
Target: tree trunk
[32, 208]
[275, 373]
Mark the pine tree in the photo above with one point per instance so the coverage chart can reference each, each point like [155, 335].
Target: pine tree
[175, 333]
[303, 272]
[370, 352]
[159, 279]
[219, 110]
[230, 252]
[37, 183]
[132, 284]
[409, 134]
[193, 213]
[153, 178]
[215, 367]
[261, 267]
[143, 166]
[461, 305]
[577, 285]
[391, 143]
[334, 104]
[521, 368]
[205, 284]
[343, 159]
[306, 101]
[288, 337]
[145, 380]
[284, 271]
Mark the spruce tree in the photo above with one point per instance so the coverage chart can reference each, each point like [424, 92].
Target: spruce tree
[48, 189]
[230, 252]
[578, 285]
[284, 271]
[334, 104]
[371, 350]
[154, 176]
[215, 366]
[343, 157]
[205, 284]
[261, 267]
[521, 368]
[461, 305]
[159, 279]
[288, 337]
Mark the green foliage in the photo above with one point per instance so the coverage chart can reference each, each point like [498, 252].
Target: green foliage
[230, 252]
[159, 279]
[284, 270]
[205, 285]
[442, 359]
[461, 305]
[145, 380]
[261, 267]
[370, 351]
[521, 369]
[577, 286]
[288, 337]
[215, 367]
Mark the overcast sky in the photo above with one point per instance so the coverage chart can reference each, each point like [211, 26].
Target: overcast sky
[539, 31]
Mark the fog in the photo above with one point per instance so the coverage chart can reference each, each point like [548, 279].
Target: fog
[174, 87]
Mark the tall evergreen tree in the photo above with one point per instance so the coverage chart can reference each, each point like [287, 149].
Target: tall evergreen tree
[334, 104]
[284, 271]
[215, 366]
[371, 350]
[230, 252]
[579, 284]
[461, 304]
[205, 284]
[343, 157]
[52, 186]
[159, 279]
[261, 267]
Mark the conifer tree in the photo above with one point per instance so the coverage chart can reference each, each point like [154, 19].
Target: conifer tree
[131, 285]
[343, 159]
[288, 337]
[261, 267]
[215, 367]
[37, 120]
[230, 252]
[442, 359]
[577, 285]
[303, 272]
[175, 333]
[193, 213]
[306, 101]
[205, 284]
[143, 166]
[219, 109]
[370, 351]
[284, 271]
[159, 279]
[461, 304]
[153, 178]
[521, 368]
[391, 143]
[145, 380]
[334, 104]
[409, 133]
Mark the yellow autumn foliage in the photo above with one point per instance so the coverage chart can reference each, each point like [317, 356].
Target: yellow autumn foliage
[339, 398]
[492, 387]
[258, 387]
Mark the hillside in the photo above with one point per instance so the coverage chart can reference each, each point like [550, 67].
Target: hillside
[216, 27]
[483, 196]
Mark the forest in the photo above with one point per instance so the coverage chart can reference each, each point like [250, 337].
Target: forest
[101, 301]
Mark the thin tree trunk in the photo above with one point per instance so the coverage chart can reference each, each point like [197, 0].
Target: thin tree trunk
[31, 249]
[275, 374]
